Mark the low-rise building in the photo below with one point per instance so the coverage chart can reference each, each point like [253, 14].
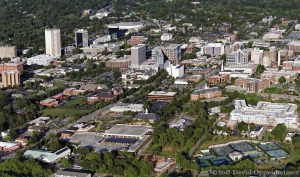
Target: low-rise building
[180, 124]
[9, 146]
[135, 40]
[118, 63]
[73, 91]
[147, 117]
[49, 102]
[252, 85]
[161, 95]
[166, 37]
[43, 60]
[8, 51]
[72, 173]
[47, 156]
[163, 165]
[235, 155]
[128, 131]
[206, 93]
[274, 75]
[123, 107]
[257, 131]
[218, 79]
[266, 113]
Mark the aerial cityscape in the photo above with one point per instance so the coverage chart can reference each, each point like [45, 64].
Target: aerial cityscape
[149, 88]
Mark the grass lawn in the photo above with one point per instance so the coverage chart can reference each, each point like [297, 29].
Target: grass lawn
[57, 112]
[76, 101]
[219, 140]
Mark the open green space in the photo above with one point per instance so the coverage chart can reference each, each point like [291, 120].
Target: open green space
[67, 112]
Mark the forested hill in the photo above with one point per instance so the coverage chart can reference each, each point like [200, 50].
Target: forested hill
[23, 21]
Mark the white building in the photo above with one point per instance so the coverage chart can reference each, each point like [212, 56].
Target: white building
[53, 42]
[128, 131]
[46, 156]
[243, 71]
[123, 107]
[214, 49]
[266, 113]
[237, 57]
[235, 155]
[257, 131]
[289, 136]
[175, 70]
[135, 26]
[166, 37]
[180, 82]
[257, 56]
[297, 27]
[43, 60]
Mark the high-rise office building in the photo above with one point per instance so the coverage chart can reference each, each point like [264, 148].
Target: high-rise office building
[53, 42]
[237, 57]
[138, 55]
[173, 52]
[81, 38]
[214, 49]
[158, 55]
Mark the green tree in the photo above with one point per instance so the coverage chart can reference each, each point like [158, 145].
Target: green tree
[117, 74]
[282, 80]
[279, 132]
[296, 141]
[130, 171]
[65, 162]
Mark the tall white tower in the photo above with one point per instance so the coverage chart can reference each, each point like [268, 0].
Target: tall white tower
[53, 42]
[279, 58]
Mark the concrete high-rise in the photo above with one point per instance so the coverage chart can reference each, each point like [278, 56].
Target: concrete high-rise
[81, 38]
[53, 42]
[214, 49]
[138, 55]
[173, 52]
[158, 55]
[237, 57]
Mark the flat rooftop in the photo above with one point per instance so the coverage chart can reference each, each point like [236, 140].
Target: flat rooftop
[128, 130]
[86, 139]
[266, 108]
[162, 93]
[126, 25]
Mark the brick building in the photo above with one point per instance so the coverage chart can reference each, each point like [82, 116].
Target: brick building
[161, 96]
[135, 40]
[252, 85]
[218, 79]
[118, 63]
[205, 93]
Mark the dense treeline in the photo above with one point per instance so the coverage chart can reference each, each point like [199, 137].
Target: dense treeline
[115, 163]
[23, 21]
[18, 167]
